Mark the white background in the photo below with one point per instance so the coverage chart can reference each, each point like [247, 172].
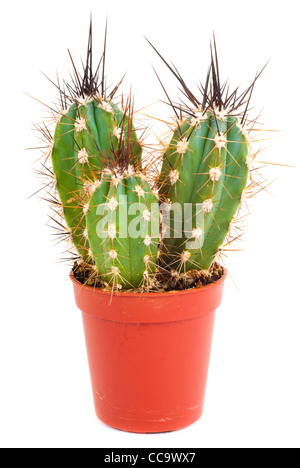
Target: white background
[254, 380]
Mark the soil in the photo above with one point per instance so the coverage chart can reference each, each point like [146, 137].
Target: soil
[159, 283]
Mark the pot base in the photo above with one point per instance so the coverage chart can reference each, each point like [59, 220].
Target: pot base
[151, 426]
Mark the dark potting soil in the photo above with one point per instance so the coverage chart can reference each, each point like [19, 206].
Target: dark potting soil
[161, 282]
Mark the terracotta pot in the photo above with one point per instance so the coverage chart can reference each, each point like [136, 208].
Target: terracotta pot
[149, 354]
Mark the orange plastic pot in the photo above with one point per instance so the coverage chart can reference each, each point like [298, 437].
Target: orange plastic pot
[149, 354]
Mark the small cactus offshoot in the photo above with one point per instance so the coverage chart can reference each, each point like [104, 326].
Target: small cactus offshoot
[122, 258]
[130, 229]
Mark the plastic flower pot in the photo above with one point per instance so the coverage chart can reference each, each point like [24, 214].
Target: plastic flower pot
[149, 354]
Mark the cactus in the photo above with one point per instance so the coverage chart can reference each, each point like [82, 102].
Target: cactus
[87, 138]
[103, 191]
[109, 202]
[85, 142]
[206, 165]
[123, 229]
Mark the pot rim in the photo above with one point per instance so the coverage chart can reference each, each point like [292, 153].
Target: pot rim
[149, 295]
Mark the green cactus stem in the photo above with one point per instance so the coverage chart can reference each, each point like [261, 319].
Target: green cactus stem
[205, 166]
[86, 140]
[123, 229]
[88, 137]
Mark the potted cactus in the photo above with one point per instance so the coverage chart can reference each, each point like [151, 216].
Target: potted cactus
[146, 272]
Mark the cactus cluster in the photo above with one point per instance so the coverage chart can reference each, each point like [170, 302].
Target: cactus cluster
[116, 215]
